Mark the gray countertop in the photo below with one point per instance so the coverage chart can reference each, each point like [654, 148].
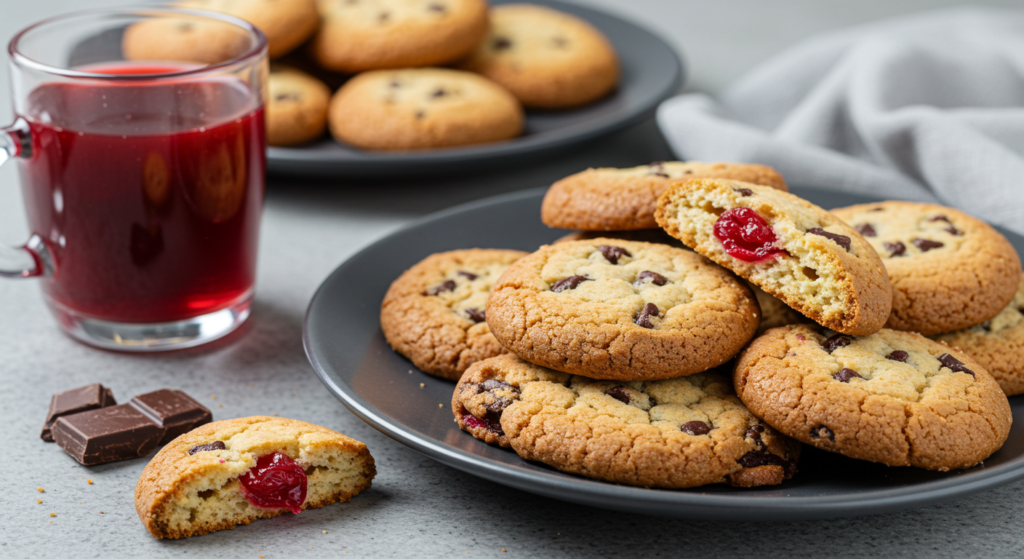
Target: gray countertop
[416, 507]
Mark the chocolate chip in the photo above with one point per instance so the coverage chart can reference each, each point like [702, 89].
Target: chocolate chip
[744, 191]
[926, 244]
[655, 277]
[560, 42]
[215, 445]
[841, 240]
[835, 342]
[754, 432]
[953, 231]
[613, 253]
[384, 17]
[876, 209]
[439, 8]
[420, 114]
[619, 393]
[866, 229]
[955, 365]
[494, 409]
[940, 218]
[288, 97]
[822, 432]
[448, 285]
[501, 43]
[476, 315]
[395, 83]
[644, 318]
[657, 169]
[895, 249]
[898, 355]
[468, 275]
[844, 375]
[571, 282]
[695, 428]
[762, 457]
[186, 27]
[658, 174]
[439, 92]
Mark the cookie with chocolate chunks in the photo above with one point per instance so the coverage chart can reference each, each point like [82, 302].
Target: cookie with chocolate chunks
[296, 107]
[948, 270]
[435, 313]
[674, 433]
[623, 310]
[893, 397]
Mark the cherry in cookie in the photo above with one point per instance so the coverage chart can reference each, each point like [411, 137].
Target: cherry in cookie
[790, 248]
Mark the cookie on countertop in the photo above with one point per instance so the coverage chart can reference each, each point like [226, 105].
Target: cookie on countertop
[362, 35]
[296, 107]
[790, 248]
[893, 397]
[674, 433]
[546, 58]
[997, 344]
[609, 199]
[286, 23]
[421, 109]
[622, 310]
[209, 479]
[948, 270]
[435, 313]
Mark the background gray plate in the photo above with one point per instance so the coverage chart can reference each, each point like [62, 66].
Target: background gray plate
[651, 72]
[343, 341]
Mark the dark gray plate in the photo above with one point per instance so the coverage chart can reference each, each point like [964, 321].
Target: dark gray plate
[651, 72]
[344, 343]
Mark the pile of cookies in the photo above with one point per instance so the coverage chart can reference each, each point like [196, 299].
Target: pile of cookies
[704, 322]
[413, 74]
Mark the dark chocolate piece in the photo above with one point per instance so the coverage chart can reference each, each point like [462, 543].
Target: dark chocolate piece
[91, 397]
[173, 410]
[107, 434]
[215, 445]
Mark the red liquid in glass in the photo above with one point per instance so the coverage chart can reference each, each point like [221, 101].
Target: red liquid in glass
[147, 193]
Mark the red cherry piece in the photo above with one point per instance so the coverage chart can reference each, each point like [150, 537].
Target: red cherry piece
[746, 236]
[275, 482]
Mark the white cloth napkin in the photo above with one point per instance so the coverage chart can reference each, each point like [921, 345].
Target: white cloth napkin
[929, 107]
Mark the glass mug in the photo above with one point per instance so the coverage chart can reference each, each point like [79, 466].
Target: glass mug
[140, 144]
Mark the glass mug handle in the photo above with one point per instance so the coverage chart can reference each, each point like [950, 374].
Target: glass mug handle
[33, 259]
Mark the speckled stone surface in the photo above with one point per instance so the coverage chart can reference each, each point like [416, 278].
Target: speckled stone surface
[416, 507]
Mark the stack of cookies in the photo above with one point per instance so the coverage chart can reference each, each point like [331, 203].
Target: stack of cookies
[704, 322]
[413, 74]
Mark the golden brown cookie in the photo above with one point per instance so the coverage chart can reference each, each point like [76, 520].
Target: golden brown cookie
[610, 199]
[286, 23]
[220, 475]
[434, 313]
[785, 245]
[892, 397]
[997, 344]
[361, 35]
[422, 109]
[189, 39]
[673, 433]
[622, 310]
[948, 270]
[296, 107]
[546, 58]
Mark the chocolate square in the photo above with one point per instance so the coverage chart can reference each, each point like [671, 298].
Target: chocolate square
[173, 410]
[85, 398]
[107, 434]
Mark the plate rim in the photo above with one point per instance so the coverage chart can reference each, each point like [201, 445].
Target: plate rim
[681, 504]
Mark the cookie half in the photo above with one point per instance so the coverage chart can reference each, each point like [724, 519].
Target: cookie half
[362, 35]
[790, 248]
[948, 270]
[608, 199]
[673, 433]
[422, 109]
[546, 58]
[893, 397]
[775, 313]
[296, 107]
[622, 310]
[209, 478]
[435, 313]
[997, 344]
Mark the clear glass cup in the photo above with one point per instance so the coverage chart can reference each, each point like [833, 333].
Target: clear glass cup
[140, 144]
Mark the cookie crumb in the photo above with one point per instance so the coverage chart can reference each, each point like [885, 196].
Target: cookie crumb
[410, 371]
[503, 550]
[214, 397]
[275, 414]
[40, 501]
[323, 531]
[101, 512]
[90, 481]
[440, 405]
[40, 489]
[422, 385]
[53, 514]
[220, 405]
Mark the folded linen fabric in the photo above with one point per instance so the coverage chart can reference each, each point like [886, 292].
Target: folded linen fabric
[928, 107]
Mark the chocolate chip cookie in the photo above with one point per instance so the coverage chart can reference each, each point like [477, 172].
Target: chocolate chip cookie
[286, 23]
[189, 39]
[673, 433]
[361, 35]
[608, 199]
[546, 58]
[296, 107]
[790, 248]
[997, 344]
[892, 397]
[435, 313]
[948, 270]
[421, 109]
[658, 236]
[622, 310]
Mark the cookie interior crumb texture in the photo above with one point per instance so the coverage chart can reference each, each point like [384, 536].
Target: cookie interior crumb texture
[181, 494]
[846, 289]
